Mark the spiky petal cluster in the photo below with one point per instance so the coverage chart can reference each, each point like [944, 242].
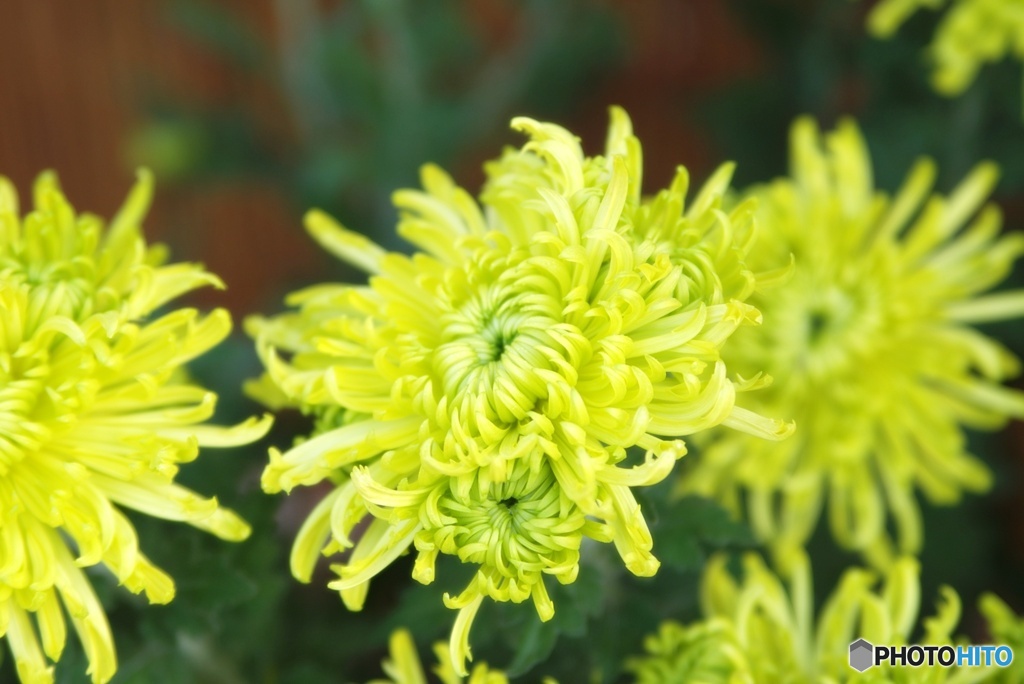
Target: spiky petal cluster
[95, 417]
[404, 667]
[491, 384]
[971, 33]
[871, 347]
[763, 630]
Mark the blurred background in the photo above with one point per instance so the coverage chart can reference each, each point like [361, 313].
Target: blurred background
[251, 111]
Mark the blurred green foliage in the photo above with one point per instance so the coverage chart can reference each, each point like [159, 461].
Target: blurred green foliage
[374, 88]
[820, 61]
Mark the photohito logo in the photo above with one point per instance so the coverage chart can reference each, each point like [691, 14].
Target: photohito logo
[861, 655]
[864, 655]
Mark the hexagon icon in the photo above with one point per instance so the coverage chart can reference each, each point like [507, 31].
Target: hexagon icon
[861, 655]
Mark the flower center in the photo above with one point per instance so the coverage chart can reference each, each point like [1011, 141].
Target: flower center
[819, 330]
[817, 322]
[518, 527]
[63, 288]
[491, 347]
[497, 335]
[498, 344]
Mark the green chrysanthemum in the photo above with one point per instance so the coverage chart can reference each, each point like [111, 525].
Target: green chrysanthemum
[493, 382]
[1005, 627]
[972, 33]
[704, 653]
[870, 345]
[94, 415]
[403, 667]
[759, 632]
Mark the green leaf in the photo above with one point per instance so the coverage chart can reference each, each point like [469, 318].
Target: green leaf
[574, 604]
[687, 528]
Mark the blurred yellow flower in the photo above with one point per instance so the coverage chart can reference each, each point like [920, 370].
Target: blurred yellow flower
[95, 415]
[971, 33]
[704, 653]
[762, 630]
[403, 667]
[1005, 627]
[490, 385]
[871, 348]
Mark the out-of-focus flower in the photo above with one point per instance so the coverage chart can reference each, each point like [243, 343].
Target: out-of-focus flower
[763, 630]
[705, 652]
[403, 667]
[95, 416]
[971, 33]
[1005, 627]
[871, 348]
[478, 398]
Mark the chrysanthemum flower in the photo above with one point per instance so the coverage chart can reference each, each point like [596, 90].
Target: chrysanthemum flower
[971, 33]
[484, 392]
[870, 346]
[705, 652]
[95, 416]
[763, 630]
[1005, 627]
[403, 667]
